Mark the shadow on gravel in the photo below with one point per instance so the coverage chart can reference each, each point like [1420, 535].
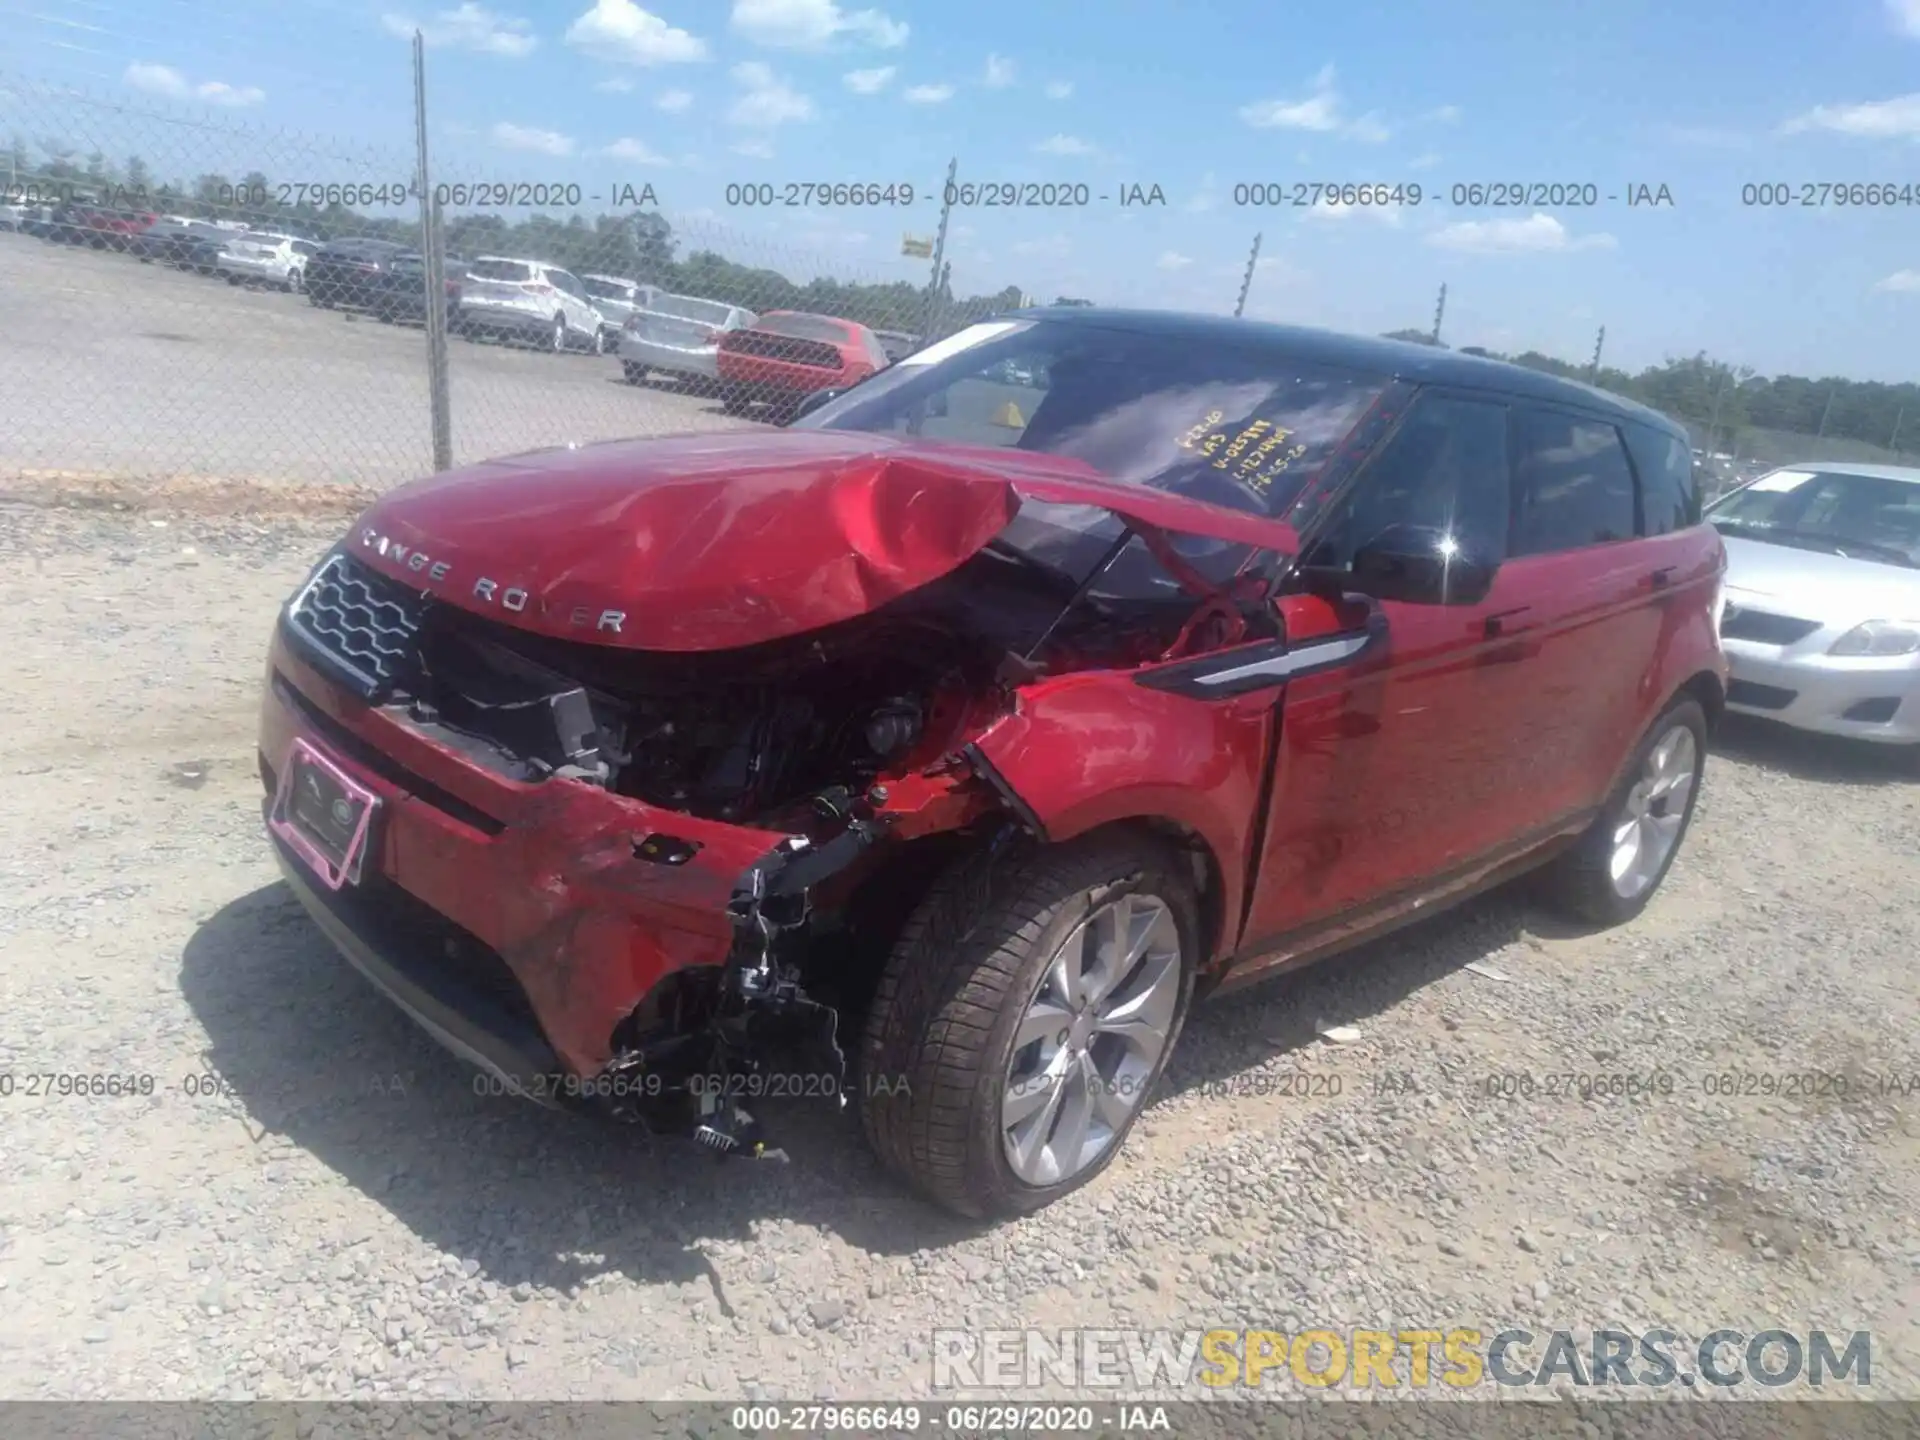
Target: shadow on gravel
[313, 1054]
[1820, 758]
[1276, 1017]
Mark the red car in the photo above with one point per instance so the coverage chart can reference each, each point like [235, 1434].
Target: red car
[987, 723]
[117, 229]
[786, 356]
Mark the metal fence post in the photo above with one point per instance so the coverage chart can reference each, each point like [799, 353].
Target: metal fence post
[439, 401]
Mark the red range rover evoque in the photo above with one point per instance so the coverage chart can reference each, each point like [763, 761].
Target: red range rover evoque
[939, 751]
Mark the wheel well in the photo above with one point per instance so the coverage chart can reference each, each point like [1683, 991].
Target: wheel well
[1707, 689]
[1208, 890]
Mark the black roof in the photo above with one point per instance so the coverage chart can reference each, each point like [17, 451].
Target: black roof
[1401, 359]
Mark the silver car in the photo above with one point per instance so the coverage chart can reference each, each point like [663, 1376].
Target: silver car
[678, 335]
[529, 300]
[616, 299]
[263, 257]
[1821, 623]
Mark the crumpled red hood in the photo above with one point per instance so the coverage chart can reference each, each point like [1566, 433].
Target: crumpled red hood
[706, 542]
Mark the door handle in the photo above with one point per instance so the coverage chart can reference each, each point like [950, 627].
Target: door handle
[1501, 623]
[1659, 578]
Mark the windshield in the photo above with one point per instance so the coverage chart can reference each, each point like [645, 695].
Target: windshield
[1861, 517]
[1244, 428]
[606, 289]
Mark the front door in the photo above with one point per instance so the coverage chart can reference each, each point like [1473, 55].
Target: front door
[1411, 761]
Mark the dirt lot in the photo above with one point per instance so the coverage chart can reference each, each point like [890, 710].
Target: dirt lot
[313, 1200]
[108, 366]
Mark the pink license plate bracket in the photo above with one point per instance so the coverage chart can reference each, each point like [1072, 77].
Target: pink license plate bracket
[323, 815]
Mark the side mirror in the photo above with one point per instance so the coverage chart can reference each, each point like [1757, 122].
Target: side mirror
[1422, 565]
[814, 401]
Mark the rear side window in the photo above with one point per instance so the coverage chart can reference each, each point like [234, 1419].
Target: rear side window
[1669, 489]
[1573, 486]
[509, 270]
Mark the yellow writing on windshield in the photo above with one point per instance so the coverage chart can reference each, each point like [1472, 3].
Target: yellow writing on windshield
[1255, 454]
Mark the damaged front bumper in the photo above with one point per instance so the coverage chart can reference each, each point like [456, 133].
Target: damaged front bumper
[532, 928]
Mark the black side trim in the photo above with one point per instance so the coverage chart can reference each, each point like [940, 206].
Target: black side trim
[1258, 667]
[464, 1015]
[988, 772]
[382, 764]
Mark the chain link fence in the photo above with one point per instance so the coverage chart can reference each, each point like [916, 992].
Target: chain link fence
[180, 306]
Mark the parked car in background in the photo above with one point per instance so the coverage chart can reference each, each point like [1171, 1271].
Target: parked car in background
[118, 229]
[348, 272]
[897, 343]
[679, 336]
[399, 291]
[36, 219]
[257, 257]
[618, 766]
[1821, 622]
[12, 217]
[171, 239]
[617, 300]
[787, 355]
[529, 301]
[201, 253]
[69, 224]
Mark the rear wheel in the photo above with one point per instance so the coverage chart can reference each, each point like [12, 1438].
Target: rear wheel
[558, 341]
[599, 342]
[1026, 1013]
[233, 279]
[292, 286]
[1614, 870]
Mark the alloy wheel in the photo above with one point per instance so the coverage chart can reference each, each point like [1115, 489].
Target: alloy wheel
[559, 336]
[1649, 824]
[1091, 1039]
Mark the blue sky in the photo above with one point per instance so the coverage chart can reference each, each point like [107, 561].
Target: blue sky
[1195, 97]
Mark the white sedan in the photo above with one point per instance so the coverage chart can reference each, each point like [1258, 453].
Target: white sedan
[1821, 623]
[260, 257]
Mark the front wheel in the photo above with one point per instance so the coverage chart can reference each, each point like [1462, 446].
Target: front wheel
[1613, 871]
[1026, 1013]
[558, 341]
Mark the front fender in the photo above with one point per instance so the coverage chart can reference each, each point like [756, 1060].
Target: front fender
[1082, 751]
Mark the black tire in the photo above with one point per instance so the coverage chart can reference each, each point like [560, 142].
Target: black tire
[1580, 883]
[938, 1040]
[558, 344]
[633, 372]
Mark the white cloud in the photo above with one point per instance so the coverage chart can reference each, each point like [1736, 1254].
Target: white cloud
[1066, 145]
[929, 94]
[754, 149]
[674, 101]
[621, 30]
[1207, 196]
[165, 80]
[1872, 119]
[469, 27]
[1445, 115]
[813, 24]
[1424, 162]
[1901, 282]
[539, 142]
[869, 82]
[1905, 15]
[1058, 89]
[999, 74]
[636, 152]
[1370, 129]
[1174, 260]
[1320, 112]
[1539, 232]
[618, 85]
[766, 101]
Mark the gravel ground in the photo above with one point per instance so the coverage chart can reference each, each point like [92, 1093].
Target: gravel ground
[334, 1213]
[111, 367]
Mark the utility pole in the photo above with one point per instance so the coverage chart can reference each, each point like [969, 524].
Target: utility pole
[1246, 281]
[1898, 420]
[1439, 311]
[439, 402]
[1825, 413]
[1593, 370]
[1713, 425]
[939, 251]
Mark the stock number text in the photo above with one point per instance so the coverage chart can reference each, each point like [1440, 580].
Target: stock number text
[865, 1419]
[809, 194]
[1308, 194]
[1814, 195]
[1574, 1085]
[64, 1085]
[314, 194]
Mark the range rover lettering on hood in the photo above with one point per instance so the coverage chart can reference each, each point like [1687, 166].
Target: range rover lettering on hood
[486, 590]
[712, 541]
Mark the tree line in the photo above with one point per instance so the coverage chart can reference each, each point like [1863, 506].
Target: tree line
[642, 245]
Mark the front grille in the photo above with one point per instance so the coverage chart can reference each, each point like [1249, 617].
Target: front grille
[1763, 627]
[1759, 697]
[361, 621]
[816, 353]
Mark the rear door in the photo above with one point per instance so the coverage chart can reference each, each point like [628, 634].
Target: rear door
[1593, 612]
[1410, 759]
[582, 318]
